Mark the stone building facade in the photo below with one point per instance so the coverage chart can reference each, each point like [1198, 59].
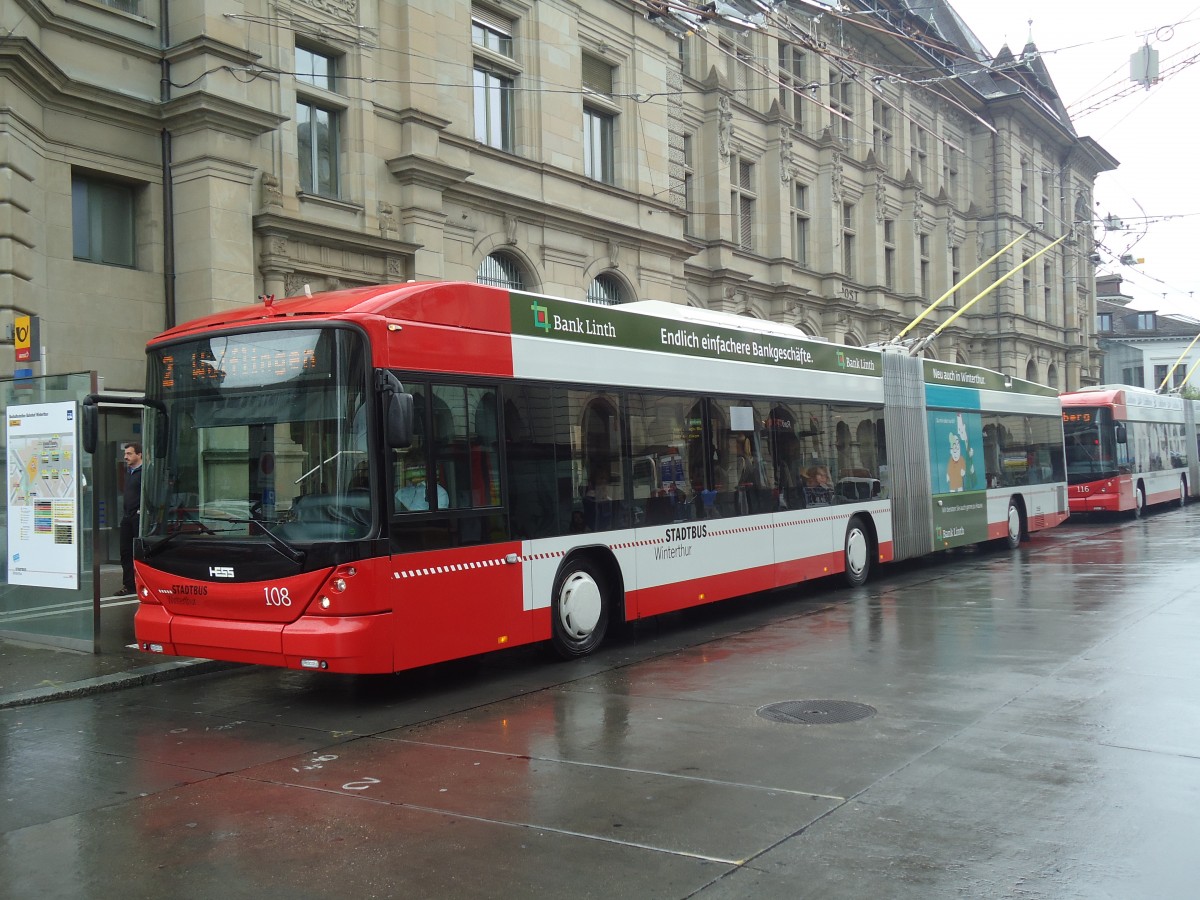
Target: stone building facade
[836, 170]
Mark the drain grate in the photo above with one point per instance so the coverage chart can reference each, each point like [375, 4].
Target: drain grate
[815, 712]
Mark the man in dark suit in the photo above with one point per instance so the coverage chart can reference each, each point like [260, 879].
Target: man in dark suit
[131, 503]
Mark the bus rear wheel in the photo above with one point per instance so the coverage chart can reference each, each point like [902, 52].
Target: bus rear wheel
[580, 609]
[1012, 534]
[858, 553]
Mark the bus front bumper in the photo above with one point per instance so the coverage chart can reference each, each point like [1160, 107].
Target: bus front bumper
[359, 645]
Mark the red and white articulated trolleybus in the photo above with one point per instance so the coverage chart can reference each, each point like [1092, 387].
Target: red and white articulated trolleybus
[374, 479]
[1128, 448]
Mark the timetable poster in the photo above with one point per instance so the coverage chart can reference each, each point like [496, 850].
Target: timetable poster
[43, 496]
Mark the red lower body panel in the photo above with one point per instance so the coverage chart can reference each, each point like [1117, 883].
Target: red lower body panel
[359, 644]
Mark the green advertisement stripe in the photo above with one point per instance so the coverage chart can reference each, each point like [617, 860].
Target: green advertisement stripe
[607, 326]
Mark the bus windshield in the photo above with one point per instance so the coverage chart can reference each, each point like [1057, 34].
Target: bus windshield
[258, 435]
[1090, 443]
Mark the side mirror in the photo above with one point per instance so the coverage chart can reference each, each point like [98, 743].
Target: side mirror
[398, 424]
[397, 410]
[1120, 429]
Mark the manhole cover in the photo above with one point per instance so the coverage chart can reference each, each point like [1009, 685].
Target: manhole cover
[815, 712]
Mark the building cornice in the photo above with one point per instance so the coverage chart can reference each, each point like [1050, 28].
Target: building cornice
[268, 224]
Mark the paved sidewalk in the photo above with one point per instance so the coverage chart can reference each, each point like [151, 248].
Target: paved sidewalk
[32, 673]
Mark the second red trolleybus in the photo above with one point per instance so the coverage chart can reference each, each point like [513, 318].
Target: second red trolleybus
[1129, 448]
[374, 479]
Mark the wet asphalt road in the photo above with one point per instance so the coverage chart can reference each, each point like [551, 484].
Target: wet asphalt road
[1036, 735]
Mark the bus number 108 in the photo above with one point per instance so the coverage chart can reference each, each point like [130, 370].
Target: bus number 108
[276, 596]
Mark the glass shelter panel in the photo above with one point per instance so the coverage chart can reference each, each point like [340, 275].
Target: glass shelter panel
[48, 586]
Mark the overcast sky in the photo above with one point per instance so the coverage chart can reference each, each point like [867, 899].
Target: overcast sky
[1153, 133]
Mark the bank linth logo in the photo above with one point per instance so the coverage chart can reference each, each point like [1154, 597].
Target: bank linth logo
[541, 316]
[841, 360]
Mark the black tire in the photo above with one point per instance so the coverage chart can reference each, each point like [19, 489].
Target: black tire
[1139, 502]
[858, 553]
[580, 609]
[1015, 527]
[1183, 491]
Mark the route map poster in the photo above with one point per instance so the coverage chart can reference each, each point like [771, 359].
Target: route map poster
[43, 496]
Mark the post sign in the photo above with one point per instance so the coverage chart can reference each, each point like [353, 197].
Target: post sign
[27, 339]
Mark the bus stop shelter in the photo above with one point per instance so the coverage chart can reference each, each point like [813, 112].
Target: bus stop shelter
[50, 585]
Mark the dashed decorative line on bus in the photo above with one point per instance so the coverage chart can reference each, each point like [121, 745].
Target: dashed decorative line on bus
[446, 570]
[556, 554]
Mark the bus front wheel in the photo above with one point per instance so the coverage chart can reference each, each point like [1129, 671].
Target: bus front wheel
[580, 609]
[858, 552]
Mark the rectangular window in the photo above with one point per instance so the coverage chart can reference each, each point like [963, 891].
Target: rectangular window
[1104, 323]
[597, 76]
[564, 476]
[453, 463]
[955, 272]
[889, 254]
[491, 32]
[800, 223]
[740, 56]
[598, 145]
[923, 247]
[882, 114]
[744, 476]
[950, 168]
[1146, 321]
[793, 81]
[1047, 290]
[669, 461]
[848, 235]
[1135, 375]
[688, 175]
[102, 221]
[919, 153]
[1160, 375]
[129, 6]
[1025, 175]
[315, 69]
[494, 79]
[1026, 288]
[742, 199]
[1009, 437]
[493, 109]
[318, 125]
[841, 100]
[317, 147]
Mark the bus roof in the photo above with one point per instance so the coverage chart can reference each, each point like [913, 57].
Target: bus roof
[1121, 395]
[463, 304]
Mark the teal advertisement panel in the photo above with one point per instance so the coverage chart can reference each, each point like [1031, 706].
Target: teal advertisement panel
[959, 501]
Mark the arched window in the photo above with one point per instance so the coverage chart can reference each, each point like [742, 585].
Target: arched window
[1052, 377]
[1031, 372]
[605, 290]
[500, 270]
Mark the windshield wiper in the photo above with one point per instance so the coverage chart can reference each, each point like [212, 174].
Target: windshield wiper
[284, 548]
[331, 459]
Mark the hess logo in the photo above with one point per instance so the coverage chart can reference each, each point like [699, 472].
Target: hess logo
[220, 571]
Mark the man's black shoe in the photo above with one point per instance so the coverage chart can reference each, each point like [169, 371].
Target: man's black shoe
[124, 592]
